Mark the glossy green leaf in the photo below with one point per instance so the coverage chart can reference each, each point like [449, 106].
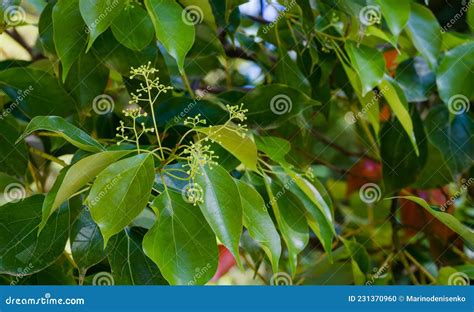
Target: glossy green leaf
[425, 33]
[40, 92]
[20, 246]
[76, 177]
[68, 131]
[69, 33]
[181, 242]
[259, 224]
[368, 63]
[396, 13]
[99, 15]
[279, 101]
[453, 137]
[171, 30]
[87, 245]
[130, 265]
[401, 164]
[243, 148]
[455, 73]
[291, 220]
[415, 79]
[46, 29]
[120, 192]
[221, 206]
[399, 105]
[133, 27]
[359, 258]
[447, 219]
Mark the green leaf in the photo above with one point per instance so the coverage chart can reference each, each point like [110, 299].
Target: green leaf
[133, 27]
[13, 157]
[87, 245]
[221, 206]
[243, 148]
[447, 219]
[40, 92]
[99, 15]
[415, 79]
[290, 217]
[77, 176]
[181, 243]
[401, 164]
[399, 105]
[198, 11]
[66, 130]
[259, 224]
[368, 63]
[452, 136]
[457, 63]
[278, 101]
[130, 265]
[171, 30]
[316, 203]
[276, 148]
[396, 13]
[87, 79]
[359, 258]
[120, 192]
[425, 33]
[69, 33]
[46, 29]
[20, 246]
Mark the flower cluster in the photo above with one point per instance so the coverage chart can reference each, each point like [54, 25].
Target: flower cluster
[137, 130]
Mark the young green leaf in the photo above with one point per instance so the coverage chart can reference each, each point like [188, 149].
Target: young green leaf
[68, 131]
[172, 31]
[221, 206]
[259, 223]
[396, 13]
[368, 63]
[120, 192]
[243, 148]
[75, 177]
[181, 242]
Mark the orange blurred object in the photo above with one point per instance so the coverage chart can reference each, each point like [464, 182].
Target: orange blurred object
[365, 171]
[390, 57]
